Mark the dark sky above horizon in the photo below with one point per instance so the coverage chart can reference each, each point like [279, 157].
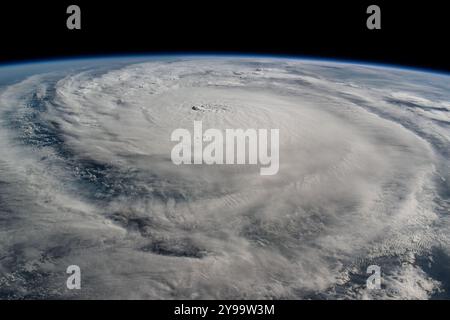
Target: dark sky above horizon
[411, 35]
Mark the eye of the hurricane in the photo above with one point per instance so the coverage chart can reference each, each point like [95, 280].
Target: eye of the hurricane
[210, 107]
[87, 178]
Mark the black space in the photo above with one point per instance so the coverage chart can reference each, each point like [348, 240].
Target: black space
[413, 33]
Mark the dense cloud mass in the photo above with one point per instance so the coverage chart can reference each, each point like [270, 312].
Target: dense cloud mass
[86, 179]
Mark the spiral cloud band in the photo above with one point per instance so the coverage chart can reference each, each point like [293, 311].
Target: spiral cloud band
[87, 179]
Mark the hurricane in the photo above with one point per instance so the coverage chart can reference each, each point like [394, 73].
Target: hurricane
[86, 179]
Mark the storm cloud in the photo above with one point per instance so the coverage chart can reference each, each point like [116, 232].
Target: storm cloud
[86, 178]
